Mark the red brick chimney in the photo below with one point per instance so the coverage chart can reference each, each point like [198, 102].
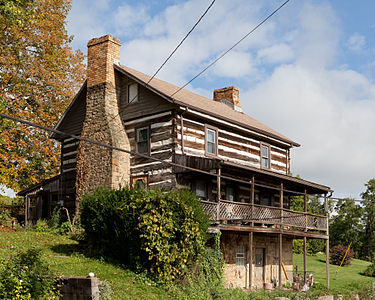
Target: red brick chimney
[96, 165]
[230, 96]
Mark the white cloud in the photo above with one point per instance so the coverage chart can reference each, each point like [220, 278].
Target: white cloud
[279, 53]
[356, 42]
[326, 108]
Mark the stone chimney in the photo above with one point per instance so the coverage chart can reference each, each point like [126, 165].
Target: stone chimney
[229, 96]
[97, 165]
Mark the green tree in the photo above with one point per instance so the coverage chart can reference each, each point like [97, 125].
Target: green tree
[369, 216]
[346, 225]
[38, 75]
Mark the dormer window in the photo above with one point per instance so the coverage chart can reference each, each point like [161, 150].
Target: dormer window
[211, 141]
[142, 140]
[265, 156]
[132, 92]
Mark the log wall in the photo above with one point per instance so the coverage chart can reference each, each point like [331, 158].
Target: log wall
[233, 146]
[161, 127]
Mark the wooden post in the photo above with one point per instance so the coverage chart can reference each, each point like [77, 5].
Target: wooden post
[280, 257]
[281, 202]
[251, 260]
[304, 259]
[26, 209]
[327, 242]
[182, 134]
[218, 194]
[252, 199]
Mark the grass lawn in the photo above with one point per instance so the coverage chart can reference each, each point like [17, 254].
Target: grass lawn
[64, 256]
[346, 280]
[61, 253]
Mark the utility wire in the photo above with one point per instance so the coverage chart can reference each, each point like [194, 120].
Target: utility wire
[231, 48]
[178, 46]
[141, 155]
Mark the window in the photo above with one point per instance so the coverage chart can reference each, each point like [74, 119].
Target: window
[265, 153]
[240, 255]
[211, 141]
[139, 181]
[132, 92]
[142, 140]
[200, 189]
[229, 195]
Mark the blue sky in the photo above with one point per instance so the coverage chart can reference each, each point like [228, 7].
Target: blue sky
[307, 73]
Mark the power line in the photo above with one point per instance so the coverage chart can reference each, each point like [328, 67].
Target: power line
[178, 46]
[167, 162]
[231, 48]
[141, 155]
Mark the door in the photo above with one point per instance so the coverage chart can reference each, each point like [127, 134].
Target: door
[259, 270]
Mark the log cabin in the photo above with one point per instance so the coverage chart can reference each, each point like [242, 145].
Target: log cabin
[238, 167]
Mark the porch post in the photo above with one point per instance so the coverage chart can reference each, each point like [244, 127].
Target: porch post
[252, 199]
[26, 209]
[304, 238]
[280, 256]
[218, 194]
[281, 202]
[251, 260]
[327, 241]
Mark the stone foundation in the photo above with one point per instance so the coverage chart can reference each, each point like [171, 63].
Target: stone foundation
[266, 246]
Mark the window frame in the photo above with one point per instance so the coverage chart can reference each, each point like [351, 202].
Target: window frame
[133, 180]
[136, 99]
[214, 129]
[268, 146]
[240, 256]
[205, 189]
[148, 140]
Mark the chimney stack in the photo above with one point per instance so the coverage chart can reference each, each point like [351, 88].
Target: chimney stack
[97, 165]
[229, 96]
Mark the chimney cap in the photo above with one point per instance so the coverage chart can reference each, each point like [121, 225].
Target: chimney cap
[103, 39]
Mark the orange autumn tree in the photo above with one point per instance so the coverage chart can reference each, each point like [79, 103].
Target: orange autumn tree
[39, 74]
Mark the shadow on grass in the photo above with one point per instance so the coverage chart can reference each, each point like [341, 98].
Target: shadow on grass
[68, 249]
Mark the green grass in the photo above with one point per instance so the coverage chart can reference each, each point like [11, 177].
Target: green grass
[346, 280]
[66, 258]
[61, 253]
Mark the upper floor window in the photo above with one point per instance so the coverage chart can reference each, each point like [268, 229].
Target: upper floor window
[229, 193]
[143, 140]
[211, 141]
[200, 189]
[265, 156]
[132, 92]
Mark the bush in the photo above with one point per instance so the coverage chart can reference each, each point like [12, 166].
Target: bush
[26, 276]
[370, 271]
[162, 232]
[337, 253]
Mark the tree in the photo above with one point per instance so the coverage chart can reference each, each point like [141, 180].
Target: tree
[346, 225]
[38, 75]
[369, 216]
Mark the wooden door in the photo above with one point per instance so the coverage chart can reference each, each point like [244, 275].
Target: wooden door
[259, 270]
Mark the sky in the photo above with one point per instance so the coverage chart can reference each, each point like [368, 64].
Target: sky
[309, 72]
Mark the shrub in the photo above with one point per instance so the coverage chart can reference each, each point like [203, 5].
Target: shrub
[160, 231]
[337, 253]
[370, 271]
[27, 276]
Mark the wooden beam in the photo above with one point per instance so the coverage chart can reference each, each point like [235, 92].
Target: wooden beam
[280, 257]
[218, 193]
[282, 201]
[296, 234]
[252, 198]
[182, 133]
[304, 259]
[251, 237]
[327, 242]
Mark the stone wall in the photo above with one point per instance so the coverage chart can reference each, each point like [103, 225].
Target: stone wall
[79, 288]
[238, 276]
[97, 165]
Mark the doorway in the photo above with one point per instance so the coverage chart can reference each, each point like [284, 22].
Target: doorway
[259, 270]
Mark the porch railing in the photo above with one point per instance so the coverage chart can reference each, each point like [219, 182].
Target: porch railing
[237, 211]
